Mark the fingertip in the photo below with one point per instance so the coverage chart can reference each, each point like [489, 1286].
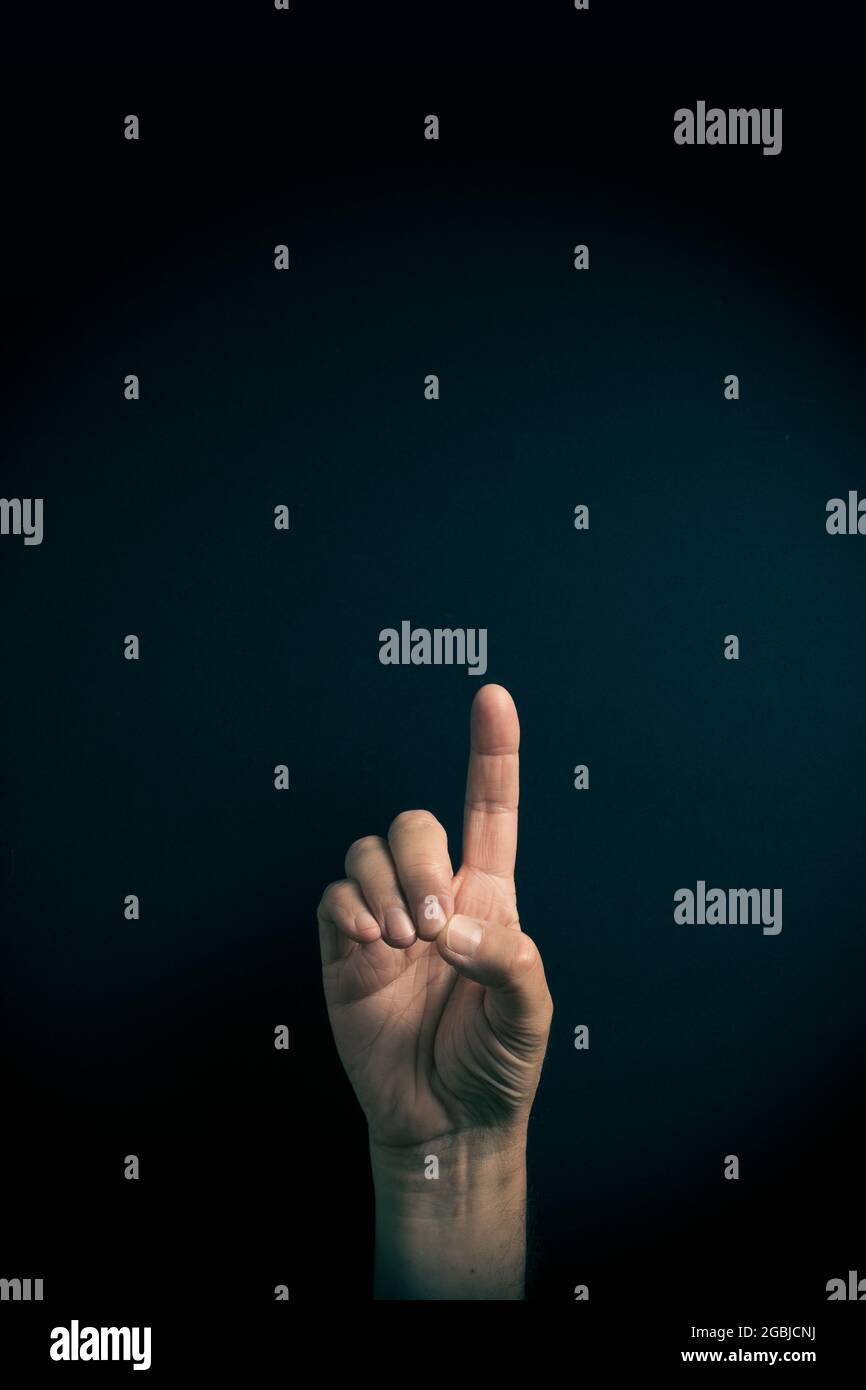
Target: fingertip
[495, 726]
[366, 928]
[492, 690]
[464, 935]
[399, 929]
[492, 696]
[460, 939]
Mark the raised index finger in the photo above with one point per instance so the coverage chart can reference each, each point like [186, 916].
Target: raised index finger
[492, 784]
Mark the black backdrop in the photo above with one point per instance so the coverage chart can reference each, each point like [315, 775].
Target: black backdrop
[258, 648]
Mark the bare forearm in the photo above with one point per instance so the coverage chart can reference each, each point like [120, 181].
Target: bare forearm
[461, 1235]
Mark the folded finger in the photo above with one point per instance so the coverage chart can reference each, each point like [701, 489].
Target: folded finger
[419, 848]
[344, 916]
[370, 864]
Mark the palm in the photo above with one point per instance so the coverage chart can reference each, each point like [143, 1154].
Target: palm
[414, 1037]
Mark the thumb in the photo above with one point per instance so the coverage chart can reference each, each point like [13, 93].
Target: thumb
[509, 965]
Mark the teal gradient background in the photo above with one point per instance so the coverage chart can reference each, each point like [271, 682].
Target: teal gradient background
[259, 647]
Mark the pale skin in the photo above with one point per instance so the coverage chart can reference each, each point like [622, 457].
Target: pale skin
[440, 1011]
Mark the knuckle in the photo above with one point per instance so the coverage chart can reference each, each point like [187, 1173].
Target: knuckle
[333, 892]
[410, 822]
[423, 866]
[525, 956]
[366, 844]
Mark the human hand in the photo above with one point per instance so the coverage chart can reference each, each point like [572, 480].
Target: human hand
[437, 999]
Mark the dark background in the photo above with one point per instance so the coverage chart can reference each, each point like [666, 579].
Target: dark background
[259, 647]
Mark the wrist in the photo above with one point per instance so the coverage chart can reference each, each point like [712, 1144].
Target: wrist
[450, 1216]
[453, 1173]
